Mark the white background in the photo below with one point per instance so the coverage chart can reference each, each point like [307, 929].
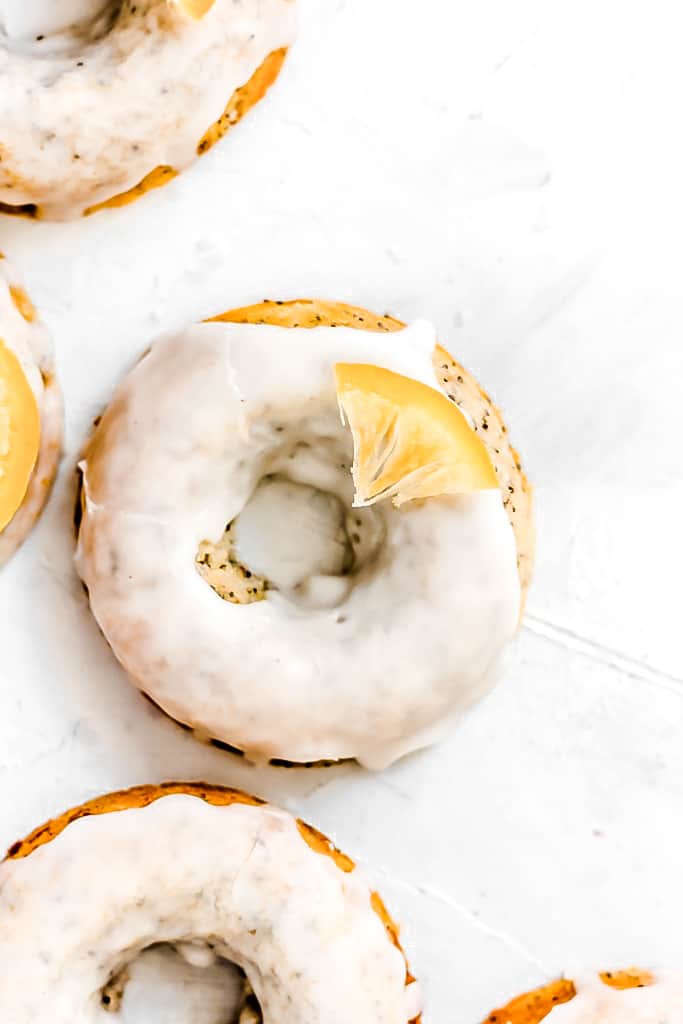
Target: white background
[512, 170]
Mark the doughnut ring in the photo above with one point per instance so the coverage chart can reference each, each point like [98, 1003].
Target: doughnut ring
[30, 414]
[301, 586]
[632, 996]
[103, 100]
[214, 872]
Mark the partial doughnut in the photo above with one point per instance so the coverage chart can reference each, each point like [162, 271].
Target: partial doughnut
[30, 414]
[214, 872]
[104, 100]
[233, 576]
[632, 996]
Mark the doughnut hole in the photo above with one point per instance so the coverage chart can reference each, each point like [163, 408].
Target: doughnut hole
[184, 983]
[218, 563]
[297, 536]
[45, 27]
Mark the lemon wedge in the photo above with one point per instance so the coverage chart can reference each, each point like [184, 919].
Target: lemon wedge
[19, 434]
[195, 8]
[409, 440]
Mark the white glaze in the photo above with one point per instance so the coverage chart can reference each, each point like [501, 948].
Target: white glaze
[79, 908]
[180, 450]
[596, 1003]
[84, 119]
[31, 344]
[22, 21]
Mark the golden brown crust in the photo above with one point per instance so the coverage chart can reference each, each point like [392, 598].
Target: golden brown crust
[309, 313]
[460, 386]
[632, 977]
[138, 796]
[241, 101]
[221, 796]
[244, 98]
[22, 303]
[324, 846]
[532, 1007]
[155, 179]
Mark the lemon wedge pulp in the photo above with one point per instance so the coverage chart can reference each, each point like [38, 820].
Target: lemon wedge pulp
[195, 8]
[19, 434]
[409, 440]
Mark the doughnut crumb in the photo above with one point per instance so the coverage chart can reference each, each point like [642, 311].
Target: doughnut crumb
[251, 1011]
[217, 563]
[112, 993]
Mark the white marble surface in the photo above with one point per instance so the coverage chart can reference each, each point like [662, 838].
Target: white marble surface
[512, 171]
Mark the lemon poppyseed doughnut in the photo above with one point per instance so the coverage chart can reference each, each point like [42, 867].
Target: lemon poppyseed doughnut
[633, 996]
[30, 414]
[299, 584]
[103, 100]
[207, 869]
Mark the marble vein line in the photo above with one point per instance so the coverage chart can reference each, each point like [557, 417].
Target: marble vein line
[564, 637]
[430, 892]
[41, 755]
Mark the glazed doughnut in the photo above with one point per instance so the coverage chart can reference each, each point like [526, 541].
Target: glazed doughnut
[615, 997]
[30, 414]
[214, 872]
[103, 100]
[233, 576]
